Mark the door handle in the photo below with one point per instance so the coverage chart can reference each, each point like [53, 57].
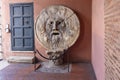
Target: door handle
[27, 22]
[29, 26]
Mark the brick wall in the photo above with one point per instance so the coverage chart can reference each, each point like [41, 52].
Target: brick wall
[112, 39]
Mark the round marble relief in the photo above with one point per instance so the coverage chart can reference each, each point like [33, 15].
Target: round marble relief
[57, 28]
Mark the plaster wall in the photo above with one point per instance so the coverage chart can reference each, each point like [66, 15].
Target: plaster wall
[98, 38]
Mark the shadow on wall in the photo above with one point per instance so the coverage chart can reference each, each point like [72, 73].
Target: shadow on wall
[75, 47]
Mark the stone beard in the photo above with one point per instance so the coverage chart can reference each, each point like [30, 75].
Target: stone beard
[55, 29]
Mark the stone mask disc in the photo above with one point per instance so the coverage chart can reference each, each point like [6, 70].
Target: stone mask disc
[57, 27]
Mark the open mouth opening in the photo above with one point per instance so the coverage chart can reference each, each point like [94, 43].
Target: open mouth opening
[55, 33]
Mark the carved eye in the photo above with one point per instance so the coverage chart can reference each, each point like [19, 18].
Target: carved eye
[51, 22]
[58, 22]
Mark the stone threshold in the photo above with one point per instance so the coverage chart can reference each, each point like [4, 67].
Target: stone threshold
[21, 59]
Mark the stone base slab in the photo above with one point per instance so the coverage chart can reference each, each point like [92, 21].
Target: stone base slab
[65, 68]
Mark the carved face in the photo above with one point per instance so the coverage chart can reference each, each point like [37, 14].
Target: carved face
[55, 29]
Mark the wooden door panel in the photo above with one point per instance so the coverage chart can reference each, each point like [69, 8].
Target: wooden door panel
[22, 33]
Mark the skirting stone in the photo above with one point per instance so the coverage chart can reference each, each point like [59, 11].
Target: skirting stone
[21, 59]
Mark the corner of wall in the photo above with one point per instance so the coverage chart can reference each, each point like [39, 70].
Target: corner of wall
[98, 38]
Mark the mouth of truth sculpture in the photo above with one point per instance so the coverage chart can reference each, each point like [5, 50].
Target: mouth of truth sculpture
[57, 28]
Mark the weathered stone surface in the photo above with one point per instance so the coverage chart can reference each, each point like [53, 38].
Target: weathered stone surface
[21, 59]
[57, 28]
[112, 39]
[57, 20]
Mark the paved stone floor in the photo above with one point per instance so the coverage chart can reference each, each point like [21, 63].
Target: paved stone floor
[18, 71]
[3, 64]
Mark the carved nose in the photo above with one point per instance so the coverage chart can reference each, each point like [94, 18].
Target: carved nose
[54, 26]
